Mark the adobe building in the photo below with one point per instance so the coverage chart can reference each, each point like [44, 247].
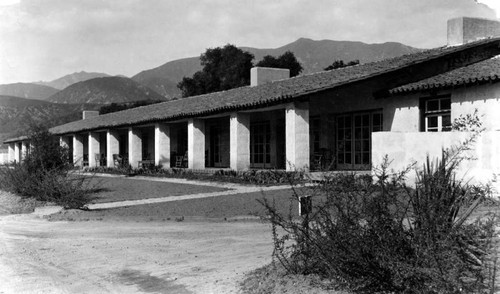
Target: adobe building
[343, 119]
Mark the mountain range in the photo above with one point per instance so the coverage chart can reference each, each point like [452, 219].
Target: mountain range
[73, 78]
[313, 55]
[27, 90]
[16, 114]
[104, 91]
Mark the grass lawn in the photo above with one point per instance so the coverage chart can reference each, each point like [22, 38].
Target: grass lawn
[219, 207]
[112, 189]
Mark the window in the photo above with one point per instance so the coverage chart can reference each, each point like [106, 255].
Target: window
[354, 139]
[437, 114]
[260, 144]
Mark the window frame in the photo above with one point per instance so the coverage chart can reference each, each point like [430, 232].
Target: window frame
[438, 113]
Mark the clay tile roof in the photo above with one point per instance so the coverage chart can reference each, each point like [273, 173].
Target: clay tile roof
[259, 96]
[481, 72]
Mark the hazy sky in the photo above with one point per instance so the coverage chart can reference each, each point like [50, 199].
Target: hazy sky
[46, 39]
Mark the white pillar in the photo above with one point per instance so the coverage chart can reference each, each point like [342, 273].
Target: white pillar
[162, 145]
[134, 147]
[24, 149]
[17, 152]
[78, 150]
[11, 152]
[94, 148]
[196, 144]
[297, 136]
[239, 138]
[112, 146]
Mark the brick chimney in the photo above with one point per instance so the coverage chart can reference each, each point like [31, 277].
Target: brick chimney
[262, 75]
[89, 114]
[463, 30]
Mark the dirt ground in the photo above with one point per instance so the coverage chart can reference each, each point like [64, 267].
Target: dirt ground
[38, 256]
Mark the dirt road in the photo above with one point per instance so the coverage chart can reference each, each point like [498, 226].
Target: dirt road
[37, 256]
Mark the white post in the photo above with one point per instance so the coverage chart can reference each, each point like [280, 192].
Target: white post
[297, 136]
[94, 148]
[196, 144]
[17, 152]
[11, 152]
[162, 145]
[24, 149]
[78, 150]
[239, 137]
[134, 147]
[112, 145]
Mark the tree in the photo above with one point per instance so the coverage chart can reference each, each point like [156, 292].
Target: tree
[223, 69]
[286, 60]
[340, 63]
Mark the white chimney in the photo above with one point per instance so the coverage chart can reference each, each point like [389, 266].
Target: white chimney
[463, 30]
[89, 114]
[262, 75]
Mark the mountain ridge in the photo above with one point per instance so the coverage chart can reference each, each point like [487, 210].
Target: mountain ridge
[105, 90]
[312, 54]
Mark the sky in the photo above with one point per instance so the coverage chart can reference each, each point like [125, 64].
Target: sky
[42, 40]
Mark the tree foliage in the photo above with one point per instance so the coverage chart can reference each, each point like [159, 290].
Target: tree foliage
[340, 63]
[229, 67]
[223, 69]
[46, 173]
[286, 60]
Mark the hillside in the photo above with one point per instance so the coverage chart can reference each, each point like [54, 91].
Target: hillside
[73, 78]
[105, 91]
[27, 90]
[16, 114]
[313, 55]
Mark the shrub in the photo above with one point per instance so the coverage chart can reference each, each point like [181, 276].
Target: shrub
[46, 174]
[381, 236]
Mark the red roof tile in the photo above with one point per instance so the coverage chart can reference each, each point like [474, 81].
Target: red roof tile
[481, 72]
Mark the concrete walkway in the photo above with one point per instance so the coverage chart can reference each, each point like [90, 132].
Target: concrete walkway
[234, 189]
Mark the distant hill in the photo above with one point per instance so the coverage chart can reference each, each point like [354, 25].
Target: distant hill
[16, 114]
[27, 90]
[313, 55]
[105, 91]
[73, 78]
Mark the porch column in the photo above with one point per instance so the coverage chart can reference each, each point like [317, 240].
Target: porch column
[17, 152]
[93, 148]
[196, 144]
[11, 152]
[134, 147]
[162, 145]
[24, 149]
[112, 146]
[78, 150]
[297, 136]
[239, 138]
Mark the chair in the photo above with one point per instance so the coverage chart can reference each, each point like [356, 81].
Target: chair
[117, 160]
[185, 160]
[85, 161]
[317, 163]
[98, 159]
[178, 161]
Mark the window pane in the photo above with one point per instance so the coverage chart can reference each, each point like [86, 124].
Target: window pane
[446, 104]
[446, 121]
[432, 122]
[366, 120]
[432, 105]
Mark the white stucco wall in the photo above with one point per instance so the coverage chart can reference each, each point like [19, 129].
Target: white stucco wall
[403, 148]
